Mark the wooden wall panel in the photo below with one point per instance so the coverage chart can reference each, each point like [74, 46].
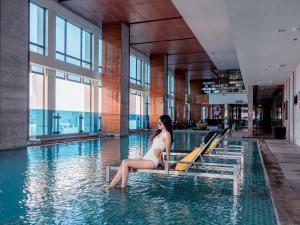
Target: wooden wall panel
[158, 89]
[112, 78]
[195, 90]
[180, 95]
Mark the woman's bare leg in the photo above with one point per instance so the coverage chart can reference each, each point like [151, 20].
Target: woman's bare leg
[135, 164]
[117, 178]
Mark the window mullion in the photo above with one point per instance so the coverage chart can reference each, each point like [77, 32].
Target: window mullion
[65, 41]
[81, 33]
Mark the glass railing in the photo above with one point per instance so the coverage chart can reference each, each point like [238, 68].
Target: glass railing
[47, 122]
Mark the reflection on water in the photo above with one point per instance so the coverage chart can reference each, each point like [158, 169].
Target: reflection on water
[66, 184]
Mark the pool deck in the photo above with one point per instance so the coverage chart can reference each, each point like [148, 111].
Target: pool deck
[282, 163]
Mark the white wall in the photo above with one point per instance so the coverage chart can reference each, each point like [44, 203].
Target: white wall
[240, 98]
[296, 107]
[292, 87]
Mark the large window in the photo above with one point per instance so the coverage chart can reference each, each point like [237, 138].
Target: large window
[37, 28]
[36, 101]
[139, 72]
[73, 44]
[171, 95]
[135, 110]
[147, 75]
[135, 70]
[100, 56]
[73, 105]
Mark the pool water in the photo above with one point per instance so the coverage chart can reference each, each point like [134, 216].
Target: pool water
[66, 184]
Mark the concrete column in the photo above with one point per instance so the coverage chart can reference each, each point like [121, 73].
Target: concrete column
[14, 73]
[51, 35]
[115, 78]
[250, 110]
[95, 106]
[180, 93]
[50, 88]
[159, 88]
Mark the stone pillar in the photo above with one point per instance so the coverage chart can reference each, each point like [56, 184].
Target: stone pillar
[250, 110]
[180, 93]
[14, 73]
[115, 78]
[159, 88]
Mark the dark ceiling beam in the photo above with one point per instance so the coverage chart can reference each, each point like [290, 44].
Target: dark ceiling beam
[167, 40]
[186, 53]
[192, 70]
[157, 20]
[189, 63]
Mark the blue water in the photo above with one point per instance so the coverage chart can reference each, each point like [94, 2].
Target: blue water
[66, 184]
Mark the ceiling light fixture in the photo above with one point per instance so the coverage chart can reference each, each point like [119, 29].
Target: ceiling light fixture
[296, 28]
[281, 30]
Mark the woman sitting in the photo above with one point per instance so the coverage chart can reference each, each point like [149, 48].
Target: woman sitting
[161, 140]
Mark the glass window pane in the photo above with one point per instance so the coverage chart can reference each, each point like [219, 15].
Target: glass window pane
[36, 49]
[73, 77]
[60, 35]
[60, 74]
[87, 81]
[37, 26]
[139, 70]
[36, 104]
[73, 61]
[60, 57]
[37, 69]
[86, 65]
[73, 40]
[132, 67]
[100, 53]
[86, 46]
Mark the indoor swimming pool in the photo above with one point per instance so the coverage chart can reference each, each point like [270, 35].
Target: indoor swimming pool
[66, 184]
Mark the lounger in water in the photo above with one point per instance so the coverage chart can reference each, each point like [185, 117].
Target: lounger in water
[193, 156]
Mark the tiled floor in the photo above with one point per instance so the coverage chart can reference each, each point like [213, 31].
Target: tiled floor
[288, 157]
[282, 162]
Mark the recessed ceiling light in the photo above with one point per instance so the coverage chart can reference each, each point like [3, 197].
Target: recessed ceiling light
[296, 28]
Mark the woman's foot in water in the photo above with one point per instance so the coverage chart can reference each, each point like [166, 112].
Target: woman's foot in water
[122, 189]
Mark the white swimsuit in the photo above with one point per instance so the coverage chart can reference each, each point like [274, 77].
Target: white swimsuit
[158, 143]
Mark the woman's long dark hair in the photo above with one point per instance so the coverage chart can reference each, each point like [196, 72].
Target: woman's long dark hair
[166, 120]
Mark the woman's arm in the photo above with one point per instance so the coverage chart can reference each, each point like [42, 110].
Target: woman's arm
[168, 145]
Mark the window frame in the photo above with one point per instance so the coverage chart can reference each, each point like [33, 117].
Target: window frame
[65, 55]
[43, 47]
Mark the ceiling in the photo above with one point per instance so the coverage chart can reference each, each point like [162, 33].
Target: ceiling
[156, 27]
[210, 23]
[254, 35]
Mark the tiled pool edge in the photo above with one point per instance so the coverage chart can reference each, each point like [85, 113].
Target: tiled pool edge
[284, 198]
[267, 180]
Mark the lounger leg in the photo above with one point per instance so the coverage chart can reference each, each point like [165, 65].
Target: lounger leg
[235, 181]
[166, 168]
[107, 173]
